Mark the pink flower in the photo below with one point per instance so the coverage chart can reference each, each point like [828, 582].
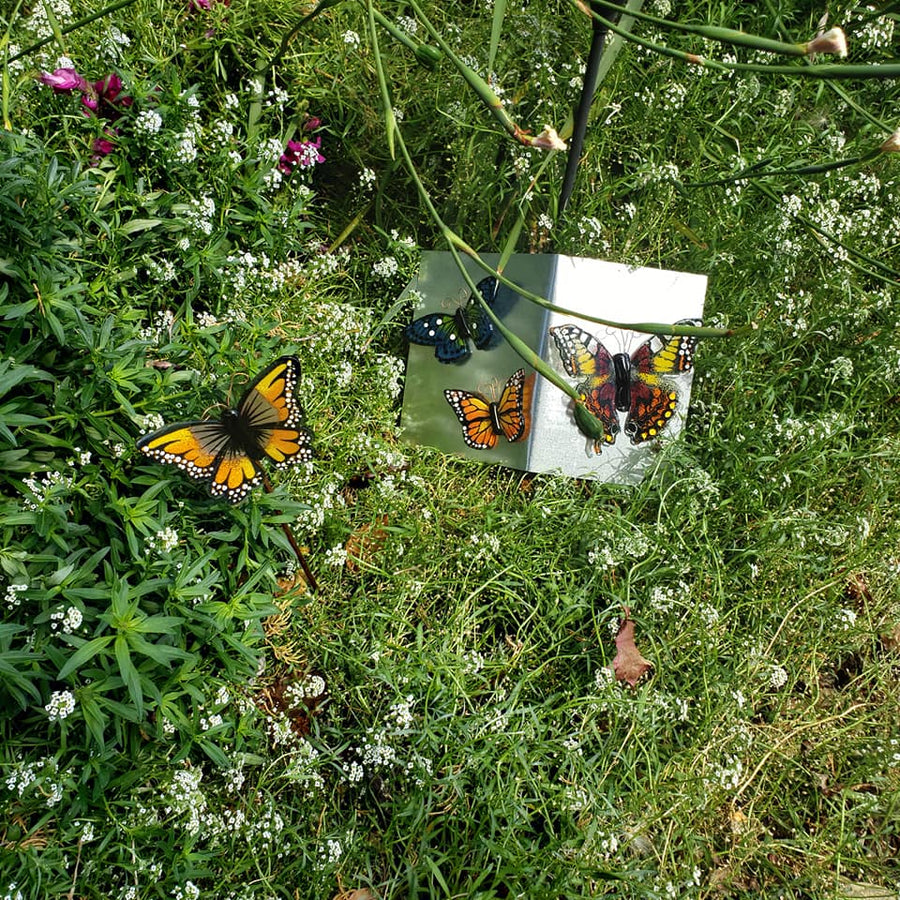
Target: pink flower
[63, 81]
[833, 41]
[548, 139]
[301, 153]
[104, 98]
[206, 4]
[892, 144]
[103, 146]
[312, 123]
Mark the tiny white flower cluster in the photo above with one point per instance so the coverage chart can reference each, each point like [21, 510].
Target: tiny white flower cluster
[386, 267]
[161, 271]
[11, 597]
[846, 619]
[307, 687]
[400, 713]
[313, 518]
[51, 484]
[727, 775]
[220, 133]
[301, 769]
[367, 179]
[165, 540]
[67, 621]
[188, 891]
[778, 677]
[111, 45]
[39, 21]
[473, 662]
[341, 329]
[200, 212]
[151, 422]
[351, 38]
[277, 97]
[336, 557]
[330, 852]
[61, 705]
[147, 122]
[183, 149]
[488, 545]
[620, 548]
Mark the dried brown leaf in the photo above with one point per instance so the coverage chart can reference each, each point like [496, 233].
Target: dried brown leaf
[628, 664]
[365, 543]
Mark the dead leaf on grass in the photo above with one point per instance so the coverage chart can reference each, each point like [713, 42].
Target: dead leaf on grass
[628, 664]
[365, 543]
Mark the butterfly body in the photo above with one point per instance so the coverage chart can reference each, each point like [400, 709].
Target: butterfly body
[227, 452]
[451, 333]
[635, 384]
[484, 422]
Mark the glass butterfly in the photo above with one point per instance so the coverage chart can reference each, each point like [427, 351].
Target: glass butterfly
[227, 452]
[635, 384]
[483, 422]
[450, 334]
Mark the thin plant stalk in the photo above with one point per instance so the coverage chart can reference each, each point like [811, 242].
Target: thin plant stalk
[716, 33]
[475, 81]
[292, 540]
[818, 72]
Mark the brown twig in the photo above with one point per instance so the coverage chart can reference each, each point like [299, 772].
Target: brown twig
[307, 572]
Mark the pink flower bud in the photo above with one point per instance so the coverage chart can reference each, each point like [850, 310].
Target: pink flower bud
[548, 139]
[892, 144]
[832, 41]
[64, 80]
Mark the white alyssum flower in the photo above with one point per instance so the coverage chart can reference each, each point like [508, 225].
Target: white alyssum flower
[61, 705]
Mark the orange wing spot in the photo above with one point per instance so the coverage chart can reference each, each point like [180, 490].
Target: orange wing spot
[234, 472]
[282, 444]
[184, 445]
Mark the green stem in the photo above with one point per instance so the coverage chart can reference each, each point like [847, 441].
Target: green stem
[816, 169]
[822, 72]
[427, 56]
[390, 120]
[475, 81]
[716, 33]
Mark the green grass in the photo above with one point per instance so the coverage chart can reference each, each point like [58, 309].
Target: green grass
[439, 720]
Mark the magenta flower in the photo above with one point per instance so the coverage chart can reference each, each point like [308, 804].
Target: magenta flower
[301, 153]
[104, 98]
[103, 146]
[312, 123]
[64, 81]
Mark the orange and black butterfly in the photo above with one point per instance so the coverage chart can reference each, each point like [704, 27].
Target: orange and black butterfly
[227, 452]
[635, 384]
[483, 422]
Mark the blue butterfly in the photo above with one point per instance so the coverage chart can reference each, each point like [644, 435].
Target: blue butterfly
[450, 334]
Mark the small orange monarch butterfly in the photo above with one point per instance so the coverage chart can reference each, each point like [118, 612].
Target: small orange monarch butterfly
[483, 422]
[226, 452]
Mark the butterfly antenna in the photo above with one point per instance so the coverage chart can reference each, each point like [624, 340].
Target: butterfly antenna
[307, 572]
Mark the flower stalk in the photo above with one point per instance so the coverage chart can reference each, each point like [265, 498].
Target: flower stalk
[821, 72]
[476, 82]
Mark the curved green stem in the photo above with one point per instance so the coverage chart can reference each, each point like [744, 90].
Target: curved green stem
[475, 81]
[822, 72]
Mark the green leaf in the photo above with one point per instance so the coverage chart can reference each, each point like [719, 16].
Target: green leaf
[129, 674]
[84, 653]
